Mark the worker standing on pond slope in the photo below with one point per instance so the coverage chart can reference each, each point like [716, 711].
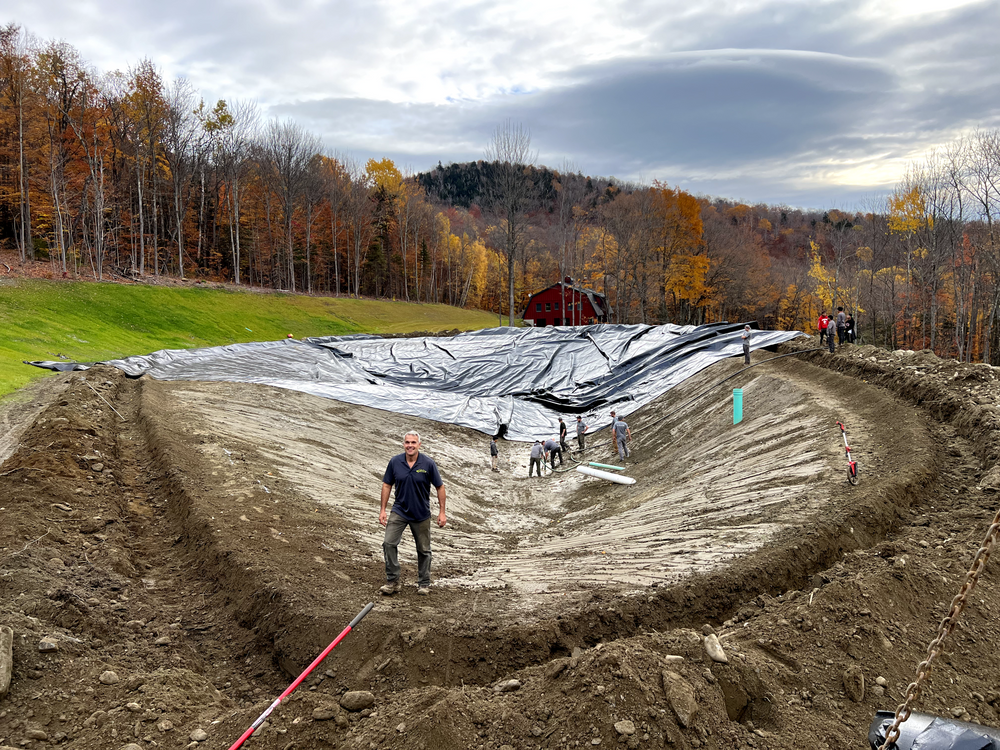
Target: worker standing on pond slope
[562, 437]
[622, 435]
[494, 454]
[412, 473]
[746, 344]
[581, 431]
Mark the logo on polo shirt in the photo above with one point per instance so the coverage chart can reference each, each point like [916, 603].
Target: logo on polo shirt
[421, 471]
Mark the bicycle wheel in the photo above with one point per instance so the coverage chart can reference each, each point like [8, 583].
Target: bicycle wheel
[852, 473]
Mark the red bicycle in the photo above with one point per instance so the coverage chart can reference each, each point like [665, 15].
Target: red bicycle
[852, 466]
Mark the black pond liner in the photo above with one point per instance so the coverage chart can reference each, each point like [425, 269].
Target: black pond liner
[927, 732]
[524, 378]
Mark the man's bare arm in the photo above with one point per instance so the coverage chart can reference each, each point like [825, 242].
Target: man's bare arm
[383, 516]
[442, 518]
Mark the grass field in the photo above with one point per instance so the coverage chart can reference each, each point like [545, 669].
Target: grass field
[86, 322]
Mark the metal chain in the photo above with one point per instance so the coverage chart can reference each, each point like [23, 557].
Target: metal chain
[944, 630]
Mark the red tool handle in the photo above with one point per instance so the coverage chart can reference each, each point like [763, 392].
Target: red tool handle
[260, 719]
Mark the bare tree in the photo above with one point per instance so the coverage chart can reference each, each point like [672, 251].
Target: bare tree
[287, 151]
[509, 192]
[236, 137]
[180, 137]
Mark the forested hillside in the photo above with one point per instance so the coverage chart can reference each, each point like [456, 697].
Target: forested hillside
[126, 175]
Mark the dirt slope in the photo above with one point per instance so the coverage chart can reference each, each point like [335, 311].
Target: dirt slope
[204, 542]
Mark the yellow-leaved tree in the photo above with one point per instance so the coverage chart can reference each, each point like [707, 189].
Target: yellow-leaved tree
[687, 284]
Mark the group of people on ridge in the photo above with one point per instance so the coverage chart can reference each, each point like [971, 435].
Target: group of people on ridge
[840, 324]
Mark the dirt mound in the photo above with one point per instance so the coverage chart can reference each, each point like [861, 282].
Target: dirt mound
[169, 564]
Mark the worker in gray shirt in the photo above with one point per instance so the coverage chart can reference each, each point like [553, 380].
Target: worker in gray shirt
[537, 458]
[622, 435]
[553, 448]
[581, 430]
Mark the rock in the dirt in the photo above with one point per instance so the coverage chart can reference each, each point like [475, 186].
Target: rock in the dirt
[163, 640]
[96, 719]
[854, 683]
[714, 649]
[707, 629]
[48, 645]
[625, 727]
[413, 637]
[880, 680]
[672, 659]
[555, 668]
[199, 735]
[97, 467]
[131, 746]
[357, 700]
[6, 658]
[507, 686]
[165, 725]
[681, 697]
[133, 707]
[324, 713]
[991, 480]
[36, 734]
[108, 678]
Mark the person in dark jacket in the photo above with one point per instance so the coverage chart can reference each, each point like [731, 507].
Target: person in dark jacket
[494, 454]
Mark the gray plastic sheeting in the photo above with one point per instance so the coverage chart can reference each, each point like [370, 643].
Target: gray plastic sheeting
[522, 378]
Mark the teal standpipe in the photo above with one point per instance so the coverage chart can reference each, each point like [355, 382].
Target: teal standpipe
[737, 405]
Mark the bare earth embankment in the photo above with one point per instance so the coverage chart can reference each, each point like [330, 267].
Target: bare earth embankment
[206, 541]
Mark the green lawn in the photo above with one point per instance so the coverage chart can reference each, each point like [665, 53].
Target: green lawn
[86, 321]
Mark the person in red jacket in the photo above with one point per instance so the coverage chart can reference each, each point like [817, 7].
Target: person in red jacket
[821, 325]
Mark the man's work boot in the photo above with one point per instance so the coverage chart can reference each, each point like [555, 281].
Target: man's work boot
[390, 588]
[424, 590]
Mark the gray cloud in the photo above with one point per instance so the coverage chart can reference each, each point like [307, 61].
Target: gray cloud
[778, 101]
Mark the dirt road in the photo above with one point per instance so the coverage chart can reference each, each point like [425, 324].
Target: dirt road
[204, 541]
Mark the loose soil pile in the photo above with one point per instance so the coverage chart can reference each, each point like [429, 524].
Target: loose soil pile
[173, 554]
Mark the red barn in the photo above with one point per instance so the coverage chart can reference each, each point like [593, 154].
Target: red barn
[565, 304]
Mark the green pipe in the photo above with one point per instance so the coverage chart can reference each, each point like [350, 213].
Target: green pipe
[737, 405]
[606, 466]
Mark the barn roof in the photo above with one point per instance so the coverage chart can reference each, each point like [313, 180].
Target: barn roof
[597, 300]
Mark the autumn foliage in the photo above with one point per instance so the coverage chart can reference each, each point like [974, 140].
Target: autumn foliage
[125, 175]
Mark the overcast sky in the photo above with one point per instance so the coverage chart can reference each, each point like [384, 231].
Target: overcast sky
[814, 104]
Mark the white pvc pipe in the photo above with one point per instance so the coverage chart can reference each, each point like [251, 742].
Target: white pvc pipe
[605, 475]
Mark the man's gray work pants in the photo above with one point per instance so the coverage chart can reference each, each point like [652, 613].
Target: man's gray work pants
[622, 448]
[421, 534]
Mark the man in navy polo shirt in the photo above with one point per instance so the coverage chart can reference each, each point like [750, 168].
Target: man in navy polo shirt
[412, 473]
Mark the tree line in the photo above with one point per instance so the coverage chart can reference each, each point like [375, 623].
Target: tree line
[126, 174]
